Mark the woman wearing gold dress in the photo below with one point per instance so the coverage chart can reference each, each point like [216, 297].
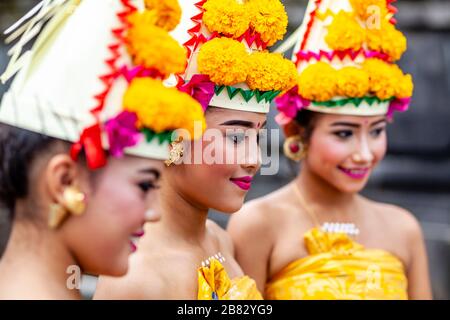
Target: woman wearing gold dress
[317, 237]
[185, 255]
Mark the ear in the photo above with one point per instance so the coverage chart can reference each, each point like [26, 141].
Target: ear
[292, 129]
[61, 172]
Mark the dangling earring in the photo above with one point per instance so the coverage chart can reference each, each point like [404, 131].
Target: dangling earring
[176, 153]
[294, 148]
[74, 203]
[56, 215]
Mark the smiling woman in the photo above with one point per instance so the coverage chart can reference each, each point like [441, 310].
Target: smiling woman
[335, 123]
[198, 258]
[82, 139]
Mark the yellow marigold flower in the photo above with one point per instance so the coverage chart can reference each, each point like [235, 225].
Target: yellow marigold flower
[227, 17]
[270, 71]
[224, 60]
[382, 78]
[368, 8]
[318, 82]
[162, 109]
[153, 48]
[168, 13]
[352, 82]
[404, 84]
[268, 18]
[345, 32]
[405, 87]
[388, 40]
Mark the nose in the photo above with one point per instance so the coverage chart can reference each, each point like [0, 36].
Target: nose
[364, 154]
[152, 215]
[252, 154]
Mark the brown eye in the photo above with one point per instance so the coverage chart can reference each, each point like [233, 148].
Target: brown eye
[147, 186]
[343, 134]
[236, 137]
[377, 132]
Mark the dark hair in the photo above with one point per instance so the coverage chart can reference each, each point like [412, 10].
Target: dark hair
[18, 149]
[306, 120]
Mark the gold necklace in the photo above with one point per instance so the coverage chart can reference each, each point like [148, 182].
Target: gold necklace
[348, 228]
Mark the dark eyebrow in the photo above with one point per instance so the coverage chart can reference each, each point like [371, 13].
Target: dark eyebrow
[155, 172]
[377, 122]
[241, 123]
[355, 125]
[347, 124]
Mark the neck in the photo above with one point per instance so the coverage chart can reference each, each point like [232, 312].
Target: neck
[183, 219]
[327, 202]
[36, 258]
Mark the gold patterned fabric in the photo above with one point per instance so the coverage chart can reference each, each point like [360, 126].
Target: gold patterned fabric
[339, 268]
[214, 284]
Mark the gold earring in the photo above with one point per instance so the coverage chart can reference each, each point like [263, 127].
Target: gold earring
[74, 203]
[56, 215]
[176, 153]
[294, 148]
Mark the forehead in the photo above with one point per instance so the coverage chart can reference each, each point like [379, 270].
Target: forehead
[330, 119]
[215, 116]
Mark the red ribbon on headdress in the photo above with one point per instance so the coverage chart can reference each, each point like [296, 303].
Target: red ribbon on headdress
[91, 142]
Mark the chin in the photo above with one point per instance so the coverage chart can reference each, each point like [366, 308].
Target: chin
[117, 265]
[230, 207]
[352, 187]
[118, 269]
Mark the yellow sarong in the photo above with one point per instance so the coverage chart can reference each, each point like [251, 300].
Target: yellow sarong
[339, 268]
[214, 284]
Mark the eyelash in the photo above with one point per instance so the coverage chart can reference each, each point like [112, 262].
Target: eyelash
[377, 132]
[236, 138]
[344, 134]
[147, 186]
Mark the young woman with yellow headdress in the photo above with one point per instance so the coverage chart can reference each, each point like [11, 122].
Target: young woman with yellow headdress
[84, 131]
[187, 256]
[317, 238]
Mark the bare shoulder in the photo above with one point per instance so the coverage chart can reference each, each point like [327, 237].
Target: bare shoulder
[256, 227]
[397, 220]
[261, 214]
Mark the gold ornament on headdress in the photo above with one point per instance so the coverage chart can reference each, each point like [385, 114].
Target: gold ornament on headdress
[176, 153]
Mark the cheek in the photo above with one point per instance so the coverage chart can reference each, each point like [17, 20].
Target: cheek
[219, 161]
[379, 148]
[215, 190]
[100, 238]
[209, 178]
[209, 181]
[119, 204]
[327, 151]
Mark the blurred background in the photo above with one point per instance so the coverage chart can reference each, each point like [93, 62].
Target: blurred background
[416, 172]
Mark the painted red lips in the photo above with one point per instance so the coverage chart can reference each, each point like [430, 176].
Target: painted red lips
[244, 183]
